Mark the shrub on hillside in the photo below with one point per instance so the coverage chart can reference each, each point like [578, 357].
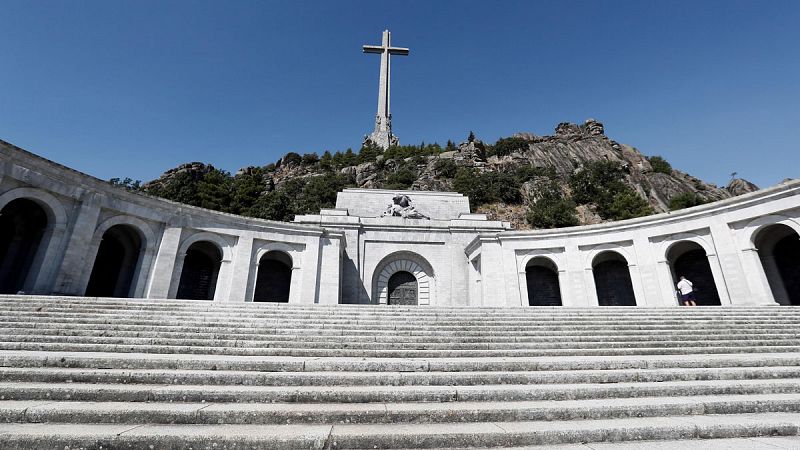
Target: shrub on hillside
[685, 200]
[506, 146]
[660, 165]
[552, 209]
[446, 168]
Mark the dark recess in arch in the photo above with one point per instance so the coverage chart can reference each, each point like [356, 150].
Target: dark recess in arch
[22, 225]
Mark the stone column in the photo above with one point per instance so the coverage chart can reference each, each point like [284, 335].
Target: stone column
[735, 275]
[758, 283]
[330, 272]
[719, 279]
[240, 278]
[309, 277]
[164, 266]
[493, 278]
[75, 266]
[669, 297]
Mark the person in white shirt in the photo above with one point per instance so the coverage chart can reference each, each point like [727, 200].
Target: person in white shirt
[687, 293]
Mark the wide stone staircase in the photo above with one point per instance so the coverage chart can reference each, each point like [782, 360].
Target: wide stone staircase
[160, 374]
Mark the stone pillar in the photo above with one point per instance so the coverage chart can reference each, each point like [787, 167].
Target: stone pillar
[164, 266]
[734, 273]
[669, 296]
[309, 276]
[493, 279]
[240, 278]
[75, 267]
[719, 280]
[636, 283]
[758, 283]
[330, 272]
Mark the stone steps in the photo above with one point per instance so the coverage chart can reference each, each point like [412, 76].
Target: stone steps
[217, 336]
[392, 353]
[332, 378]
[35, 411]
[440, 435]
[92, 373]
[372, 394]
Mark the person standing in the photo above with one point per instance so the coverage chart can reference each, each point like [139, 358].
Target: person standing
[687, 292]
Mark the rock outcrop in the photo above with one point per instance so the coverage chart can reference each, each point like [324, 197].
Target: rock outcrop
[564, 153]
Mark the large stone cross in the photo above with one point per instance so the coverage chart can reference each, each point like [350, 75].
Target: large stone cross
[382, 135]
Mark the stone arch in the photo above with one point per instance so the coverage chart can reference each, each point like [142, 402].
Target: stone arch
[293, 259]
[612, 279]
[273, 277]
[689, 257]
[778, 248]
[404, 262]
[541, 276]
[199, 271]
[133, 236]
[755, 226]
[56, 214]
[223, 260]
[35, 272]
[22, 226]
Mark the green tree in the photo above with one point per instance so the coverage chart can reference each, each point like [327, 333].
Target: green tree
[555, 212]
[506, 146]
[309, 159]
[326, 161]
[445, 168]
[660, 165]
[627, 204]
[401, 179]
[685, 200]
[369, 153]
[469, 183]
[292, 158]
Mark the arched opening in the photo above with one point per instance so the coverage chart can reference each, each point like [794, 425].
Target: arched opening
[22, 225]
[403, 289]
[200, 270]
[413, 264]
[541, 276]
[116, 263]
[274, 278]
[779, 249]
[688, 259]
[612, 280]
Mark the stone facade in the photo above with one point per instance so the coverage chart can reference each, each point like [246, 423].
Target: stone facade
[350, 253]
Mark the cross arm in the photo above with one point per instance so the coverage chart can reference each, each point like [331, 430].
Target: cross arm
[373, 49]
[398, 51]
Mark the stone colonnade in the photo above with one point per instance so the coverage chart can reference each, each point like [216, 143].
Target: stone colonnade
[728, 246]
[66, 233]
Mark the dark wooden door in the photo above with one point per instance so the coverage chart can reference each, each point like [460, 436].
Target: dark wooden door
[403, 289]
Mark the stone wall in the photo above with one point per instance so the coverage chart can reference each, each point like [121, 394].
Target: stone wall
[347, 254]
[81, 209]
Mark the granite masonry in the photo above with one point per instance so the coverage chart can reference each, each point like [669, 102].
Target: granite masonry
[67, 233]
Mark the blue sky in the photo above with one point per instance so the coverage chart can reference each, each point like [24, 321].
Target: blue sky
[132, 88]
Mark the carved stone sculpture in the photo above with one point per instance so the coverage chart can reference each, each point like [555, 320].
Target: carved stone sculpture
[401, 207]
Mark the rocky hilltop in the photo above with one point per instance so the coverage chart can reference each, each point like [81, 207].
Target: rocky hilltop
[577, 174]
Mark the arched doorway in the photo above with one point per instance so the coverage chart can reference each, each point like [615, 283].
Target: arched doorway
[403, 289]
[612, 280]
[688, 259]
[117, 263]
[779, 250]
[274, 278]
[541, 276]
[199, 273]
[22, 225]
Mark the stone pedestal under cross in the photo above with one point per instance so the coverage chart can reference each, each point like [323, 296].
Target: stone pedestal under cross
[382, 136]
